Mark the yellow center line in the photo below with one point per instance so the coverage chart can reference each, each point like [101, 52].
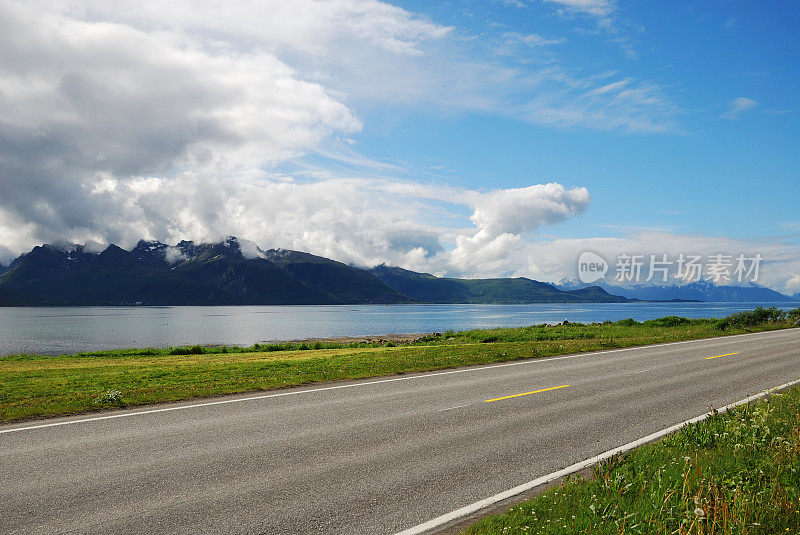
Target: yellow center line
[527, 393]
[718, 356]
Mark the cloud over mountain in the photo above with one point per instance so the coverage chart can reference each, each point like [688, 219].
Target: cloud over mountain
[167, 121]
[179, 120]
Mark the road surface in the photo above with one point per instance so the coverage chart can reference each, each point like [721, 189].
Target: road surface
[374, 456]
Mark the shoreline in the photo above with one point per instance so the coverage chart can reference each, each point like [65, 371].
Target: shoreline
[40, 386]
[398, 338]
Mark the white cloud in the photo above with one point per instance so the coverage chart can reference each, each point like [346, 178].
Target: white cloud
[523, 210]
[313, 27]
[90, 108]
[738, 106]
[94, 247]
[511, 40]
[620, 105]
[129, 98]
[793, 284]
[173, 254]
[503, 217]
[250, 249]
[598, 8]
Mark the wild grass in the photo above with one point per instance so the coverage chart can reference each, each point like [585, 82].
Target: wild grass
[36, 386]
[733, 473]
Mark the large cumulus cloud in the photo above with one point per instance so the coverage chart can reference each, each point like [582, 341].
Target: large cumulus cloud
[90, 110]
[502, 217]
[521, 210]
[146, 120]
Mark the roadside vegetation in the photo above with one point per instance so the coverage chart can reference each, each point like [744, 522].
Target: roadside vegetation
[734, 473]
[36, 386]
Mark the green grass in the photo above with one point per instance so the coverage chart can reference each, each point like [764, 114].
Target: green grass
[35, 386]
[733, 473]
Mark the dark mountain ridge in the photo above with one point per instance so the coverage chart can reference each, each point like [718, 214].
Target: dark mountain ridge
[238, 272]
[427, 288]
[154, 273]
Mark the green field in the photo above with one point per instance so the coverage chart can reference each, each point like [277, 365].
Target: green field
[35, 386]
[734, 473]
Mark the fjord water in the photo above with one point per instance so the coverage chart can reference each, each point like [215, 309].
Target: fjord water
[58, 330]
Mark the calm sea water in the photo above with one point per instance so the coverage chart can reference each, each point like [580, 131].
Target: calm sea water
[75, 329]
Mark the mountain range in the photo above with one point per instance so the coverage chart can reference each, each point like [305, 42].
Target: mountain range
[237, 272]
[694, 291]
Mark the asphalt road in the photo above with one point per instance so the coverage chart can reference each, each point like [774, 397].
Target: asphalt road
[366, 457]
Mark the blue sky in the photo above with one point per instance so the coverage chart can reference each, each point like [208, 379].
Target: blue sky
[706, 172]
[463, 138]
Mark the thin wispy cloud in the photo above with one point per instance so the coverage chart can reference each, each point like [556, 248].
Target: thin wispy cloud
[597, 8]
[512, 42]
[739, 106]
[601, 10]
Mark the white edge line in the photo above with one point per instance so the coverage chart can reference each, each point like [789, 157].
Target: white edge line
[533, 360]
[454, 408]
[491, 500]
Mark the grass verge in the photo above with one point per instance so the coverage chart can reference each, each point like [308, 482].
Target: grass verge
[35, 386]
[734, 473]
